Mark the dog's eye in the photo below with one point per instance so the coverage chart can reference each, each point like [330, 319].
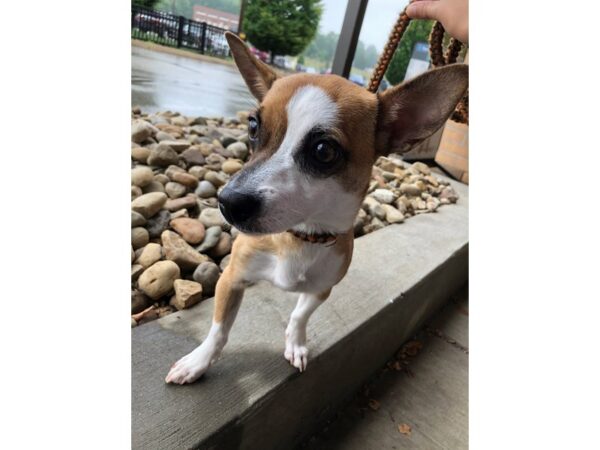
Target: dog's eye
[324, 152]
[252, 128]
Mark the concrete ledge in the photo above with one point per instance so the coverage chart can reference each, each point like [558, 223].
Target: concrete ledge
[252, 398]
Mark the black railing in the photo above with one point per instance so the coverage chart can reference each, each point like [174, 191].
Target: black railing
[177, 31]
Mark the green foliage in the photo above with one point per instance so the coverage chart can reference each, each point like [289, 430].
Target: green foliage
[230, 6]
[282, 27]
[150, 4]
[185, 8]
[322, 48]
[418, 30]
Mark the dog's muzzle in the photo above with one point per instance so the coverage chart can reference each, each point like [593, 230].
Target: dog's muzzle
[237, 207]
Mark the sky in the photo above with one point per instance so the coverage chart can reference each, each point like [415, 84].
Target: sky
[377, 24]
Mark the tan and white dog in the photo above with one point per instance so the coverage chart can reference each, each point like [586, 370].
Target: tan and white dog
[314, 139]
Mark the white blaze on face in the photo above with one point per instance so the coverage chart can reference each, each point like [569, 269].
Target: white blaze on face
[292, 197]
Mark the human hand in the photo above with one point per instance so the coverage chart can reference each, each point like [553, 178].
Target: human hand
[453, 14]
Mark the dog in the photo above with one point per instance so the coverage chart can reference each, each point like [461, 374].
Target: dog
[313, 140]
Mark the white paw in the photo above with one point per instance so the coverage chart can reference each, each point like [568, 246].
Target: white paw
[191, 367]
[295, 349]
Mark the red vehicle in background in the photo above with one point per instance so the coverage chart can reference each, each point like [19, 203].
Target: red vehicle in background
[263, 56]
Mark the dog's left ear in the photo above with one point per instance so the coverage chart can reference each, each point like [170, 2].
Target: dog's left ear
[258, 76]
[413, 111]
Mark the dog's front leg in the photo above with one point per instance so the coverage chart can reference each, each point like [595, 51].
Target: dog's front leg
[228, 297]
[295, 334]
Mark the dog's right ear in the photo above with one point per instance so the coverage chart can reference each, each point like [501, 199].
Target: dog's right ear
[258, 76]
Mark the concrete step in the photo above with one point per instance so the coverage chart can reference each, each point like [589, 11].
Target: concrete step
[252, 398]
[429, 397]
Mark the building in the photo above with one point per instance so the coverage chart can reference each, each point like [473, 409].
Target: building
[216, 18]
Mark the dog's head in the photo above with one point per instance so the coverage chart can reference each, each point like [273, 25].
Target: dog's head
[314, 139]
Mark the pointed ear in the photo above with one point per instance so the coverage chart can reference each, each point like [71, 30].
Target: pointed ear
[258, 76]
[414, 110]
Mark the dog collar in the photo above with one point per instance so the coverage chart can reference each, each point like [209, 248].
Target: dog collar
[315, 238]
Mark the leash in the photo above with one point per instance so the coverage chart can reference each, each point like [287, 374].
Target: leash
[438, 58]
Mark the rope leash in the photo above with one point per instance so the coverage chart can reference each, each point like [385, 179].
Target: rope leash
[438, 58]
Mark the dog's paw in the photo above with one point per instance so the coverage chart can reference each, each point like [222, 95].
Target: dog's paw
[297, 355]
[295, 349]
[189, 368]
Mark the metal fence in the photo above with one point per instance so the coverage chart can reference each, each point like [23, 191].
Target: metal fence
[177, 31]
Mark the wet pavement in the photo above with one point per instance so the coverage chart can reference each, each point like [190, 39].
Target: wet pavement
[161, 81]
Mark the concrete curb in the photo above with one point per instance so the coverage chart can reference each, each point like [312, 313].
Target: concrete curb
[252, 398]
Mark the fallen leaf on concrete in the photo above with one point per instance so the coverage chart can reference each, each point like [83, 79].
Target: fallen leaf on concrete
[405, 429]
[413, 347]
[145, 314]
[374, 404]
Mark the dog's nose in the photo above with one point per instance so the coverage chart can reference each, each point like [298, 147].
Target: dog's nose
[237, 206]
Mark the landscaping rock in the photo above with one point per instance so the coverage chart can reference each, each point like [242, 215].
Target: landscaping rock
[179, 213]
[158, 279]
[207, 274]
[186, 179]
[175, 190]
[179, 251]
[214, 161]
[187, 294]
[231, 166]
[137, 220]
[151, 253]
[189, 201]
[373, 207]
[212, 217]
[139, 237]
[409, 189]
[239, 150]
[383, 196]
[139, 301]
[163, 136]
[198, 171]
[140, 154]
[392, 215]
[211, 238]
[193, 156]
[223, 246]
[142, 130]
[149, 204]
[141, 176]
[191, 230]
[136, 271]
[206, 189]
[162, 156]
[422, 168]
[153, 186]
[215, 178]
[135, 192]
[161, 178]
[449, 194]
[158, 223]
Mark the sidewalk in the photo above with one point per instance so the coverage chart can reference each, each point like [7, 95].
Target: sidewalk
[427, 398]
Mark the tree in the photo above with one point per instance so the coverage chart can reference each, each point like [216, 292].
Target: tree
[185, 8]
[418, 30]
[282, 27]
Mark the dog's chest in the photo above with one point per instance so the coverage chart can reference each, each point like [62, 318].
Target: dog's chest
[315, 268]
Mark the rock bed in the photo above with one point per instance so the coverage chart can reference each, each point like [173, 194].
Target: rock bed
[181, 242]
